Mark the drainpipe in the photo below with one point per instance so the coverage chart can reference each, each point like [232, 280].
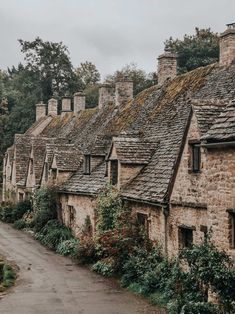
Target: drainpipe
[166, 212]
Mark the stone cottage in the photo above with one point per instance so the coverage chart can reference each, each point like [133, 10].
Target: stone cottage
[170, 151]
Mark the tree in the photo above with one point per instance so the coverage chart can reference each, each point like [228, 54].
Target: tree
[87, 75]
[140, 78]
[196, 50]
[51, 62]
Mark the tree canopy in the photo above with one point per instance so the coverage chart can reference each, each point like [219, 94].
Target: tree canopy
[196, 50]
[51, 62]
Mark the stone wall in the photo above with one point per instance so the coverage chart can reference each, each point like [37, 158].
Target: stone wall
[189, 198]
[155, 218]
[221, 195]
[190, 187]
[83, 205]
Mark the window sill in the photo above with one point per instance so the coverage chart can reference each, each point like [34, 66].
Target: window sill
[190, 171]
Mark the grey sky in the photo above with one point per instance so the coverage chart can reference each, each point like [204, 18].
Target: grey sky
[110, 33]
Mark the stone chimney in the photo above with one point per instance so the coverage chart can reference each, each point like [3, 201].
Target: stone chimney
[123, 91]
[227, 45]
[41, 110]
[106, 95]
[167, 67]
[52, 107]
[79, 102]
[66, 105]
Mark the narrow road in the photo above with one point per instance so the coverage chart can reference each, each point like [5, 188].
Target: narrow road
[52, 284]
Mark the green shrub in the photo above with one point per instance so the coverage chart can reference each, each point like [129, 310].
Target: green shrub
[20, 224]
[105, 267]
[20, 209]
[6, 213]
[53, 233]
[68, 247]
[9, 276]
[11, 213]
[86, 251]
[45, 203]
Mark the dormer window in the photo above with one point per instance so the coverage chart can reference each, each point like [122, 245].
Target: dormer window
[87, 164]
[195, 161]
[46, 171]
[114, 172]
[196, 157]
[31, 166]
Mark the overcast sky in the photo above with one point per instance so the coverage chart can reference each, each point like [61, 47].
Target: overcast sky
[110, 33]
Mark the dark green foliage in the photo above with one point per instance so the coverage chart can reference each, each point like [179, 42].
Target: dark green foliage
[20, 224]
[11, 213]
[68, 247]
[53, 234]
[86, 251]
[7, 276]
[105, 267]
[6, 213]
[45, 203]
[196, 50]
[52, 63]
[20, 209]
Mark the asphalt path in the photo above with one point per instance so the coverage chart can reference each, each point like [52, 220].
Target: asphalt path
[51, 284]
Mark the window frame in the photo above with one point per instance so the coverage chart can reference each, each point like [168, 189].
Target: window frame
[195, 151]
[232, 229]
[183, 232]
[114, 166]
[87, 164]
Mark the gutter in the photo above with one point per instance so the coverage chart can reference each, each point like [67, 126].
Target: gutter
[218, 144]
[157, 203]
[77, 193]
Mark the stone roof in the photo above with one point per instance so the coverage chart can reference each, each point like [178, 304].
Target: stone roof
[87, 184]
[223, 128]
[22, 146]
[39, 152]
[134, 150]
[159, 113]
[69, 159]
[206, 112]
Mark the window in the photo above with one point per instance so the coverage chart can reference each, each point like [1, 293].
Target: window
[87, 164]
[53, 173]
[204, 229]
[196, 157]
[114, 172]
[31, 166]
[142, 220]
[46, 171]
[232, 229]
[71, 212]
[21, 197]
[185, 237]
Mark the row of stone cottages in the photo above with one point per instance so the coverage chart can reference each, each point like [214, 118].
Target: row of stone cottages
[170, 151]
